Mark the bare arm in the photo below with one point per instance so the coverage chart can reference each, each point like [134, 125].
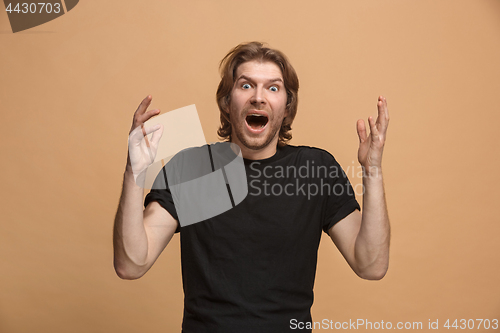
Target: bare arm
[364, 239]
[139, 236]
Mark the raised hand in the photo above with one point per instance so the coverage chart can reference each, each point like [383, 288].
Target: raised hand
[142, 152]
[371, 146]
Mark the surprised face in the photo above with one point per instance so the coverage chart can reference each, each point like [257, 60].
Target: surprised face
[258, 105]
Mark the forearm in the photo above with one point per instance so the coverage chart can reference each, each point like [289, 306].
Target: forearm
[372, 242]
[130, 240]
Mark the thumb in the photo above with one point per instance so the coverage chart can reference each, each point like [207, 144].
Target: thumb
[157, 134]
[361, 129]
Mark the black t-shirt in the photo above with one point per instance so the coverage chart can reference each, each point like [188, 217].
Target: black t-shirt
[252, 268]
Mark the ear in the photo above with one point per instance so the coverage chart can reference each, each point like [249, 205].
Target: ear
[225, 113]
[227, 100]
[288, 104]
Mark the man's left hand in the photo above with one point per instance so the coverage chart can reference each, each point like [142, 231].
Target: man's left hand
[371, 147]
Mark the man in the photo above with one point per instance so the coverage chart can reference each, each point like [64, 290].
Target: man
[252, 268]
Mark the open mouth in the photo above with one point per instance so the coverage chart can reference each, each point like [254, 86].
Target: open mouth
[256, 121]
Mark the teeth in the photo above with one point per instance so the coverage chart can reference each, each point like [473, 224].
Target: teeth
[255, 126]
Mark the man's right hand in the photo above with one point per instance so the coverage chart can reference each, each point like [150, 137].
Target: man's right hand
[140, 235]
[141, 151]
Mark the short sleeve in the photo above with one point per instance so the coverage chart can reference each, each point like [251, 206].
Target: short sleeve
[340, 200]
[164, 198]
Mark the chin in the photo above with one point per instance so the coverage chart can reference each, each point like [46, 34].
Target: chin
[256, 143]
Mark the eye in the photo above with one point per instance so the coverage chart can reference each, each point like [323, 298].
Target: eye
[273, 88]
[246, 86]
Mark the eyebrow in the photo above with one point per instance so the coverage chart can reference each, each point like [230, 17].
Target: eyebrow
[244, 77]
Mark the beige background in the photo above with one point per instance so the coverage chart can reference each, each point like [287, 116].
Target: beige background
[68, 90]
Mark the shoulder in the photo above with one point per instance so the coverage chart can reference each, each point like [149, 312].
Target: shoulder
[310, 153]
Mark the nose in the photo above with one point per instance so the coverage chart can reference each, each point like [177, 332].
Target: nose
[258, 96]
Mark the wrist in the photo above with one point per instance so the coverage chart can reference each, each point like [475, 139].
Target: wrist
[130, 176]
[372, 173]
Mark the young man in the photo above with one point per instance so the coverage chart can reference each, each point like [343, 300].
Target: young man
[252, 268]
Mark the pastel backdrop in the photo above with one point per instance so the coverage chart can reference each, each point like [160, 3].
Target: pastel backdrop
[69, 88]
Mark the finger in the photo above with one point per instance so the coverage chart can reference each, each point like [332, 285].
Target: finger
[150, 129]
[373, 127]
[380, 109]
[383, 114]
[361, 129]
[138, 123]
[142, 115]
[138, 115]
[141, 109]
[157, 134]
[148, 115]
[151, 156]
[386, 112]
